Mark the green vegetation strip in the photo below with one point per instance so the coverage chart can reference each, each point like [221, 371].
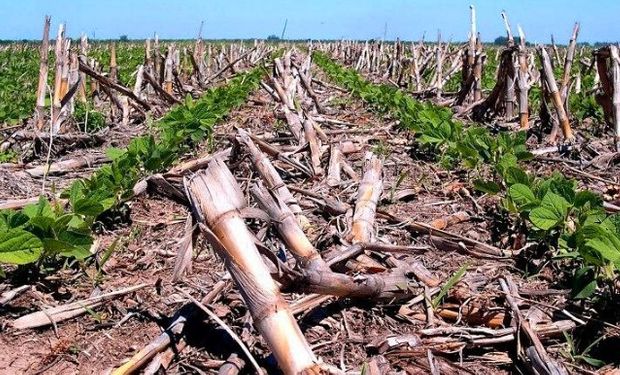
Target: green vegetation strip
[570, 222]
[19, 74]
[45, 231]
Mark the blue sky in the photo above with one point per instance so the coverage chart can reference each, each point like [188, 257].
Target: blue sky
[357, 19]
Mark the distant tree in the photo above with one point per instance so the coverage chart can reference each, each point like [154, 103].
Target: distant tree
[123, 38]
[503, 40]
[273, 38]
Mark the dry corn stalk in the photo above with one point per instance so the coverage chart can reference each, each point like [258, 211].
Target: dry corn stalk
[216, 199]
[64, 79]
[113, 66]
[286, 223]
[522, 84]
[555, 97]
[83, 56]
[333, 169]
[315, 276]
[105, 81]
[368, 194]
[314, 145]
[168, 71]
[59, 54]
[270, 176]
[57, 314]
[183, 260]
[568, 62]
[615, 77]
[43, 70]
[67, 165]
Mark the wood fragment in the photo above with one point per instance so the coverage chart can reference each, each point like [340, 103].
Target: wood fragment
[368, 195]
[169, 336]
[271, 177]
[61, 313]
[12, 204]
[183, 260]
[535, 351]
[448, 220]
[66, 166]
[107, 82]
[9, 295]
[333, 170]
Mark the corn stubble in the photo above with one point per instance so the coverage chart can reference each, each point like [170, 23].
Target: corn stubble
[216, 200]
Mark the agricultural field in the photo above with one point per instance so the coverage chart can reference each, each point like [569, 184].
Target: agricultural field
[337, 207]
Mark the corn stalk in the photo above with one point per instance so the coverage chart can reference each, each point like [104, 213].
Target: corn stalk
[555, 98]
[216, 200]
[43, 71]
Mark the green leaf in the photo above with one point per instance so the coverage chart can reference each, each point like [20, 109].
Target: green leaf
[506, 161]
[75, 192]
[516, 175]
[115, 153]
[596, 217]
[552, 211]
[592, 361]
[12, 219]
[455, 278]
[41, 223]
[522, 195]
[585, 291]
[555, 202]
[487, 186]
[615, 220]
[563, 187]
[523, 154]
[608, 247]
[42, 208]
[66, 248]
[88, 207]
[18, 246]
[544, 218]
[585, 196]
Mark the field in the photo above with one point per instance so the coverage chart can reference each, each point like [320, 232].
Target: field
[362, 207]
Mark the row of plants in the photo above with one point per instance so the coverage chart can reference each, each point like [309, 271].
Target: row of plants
[19, 72]
[552, 211]
[48, 231]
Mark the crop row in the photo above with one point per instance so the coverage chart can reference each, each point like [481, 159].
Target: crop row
[570, 223]
[46, 230]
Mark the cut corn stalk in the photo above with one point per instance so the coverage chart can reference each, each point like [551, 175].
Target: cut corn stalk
[216, 199]
[368, 195]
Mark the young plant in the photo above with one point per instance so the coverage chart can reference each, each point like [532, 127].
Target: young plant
[47, 231]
